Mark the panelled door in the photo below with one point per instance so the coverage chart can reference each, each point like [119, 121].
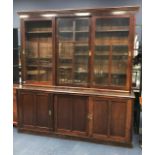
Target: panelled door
[35, 110]
[71, 114]
[112, 119]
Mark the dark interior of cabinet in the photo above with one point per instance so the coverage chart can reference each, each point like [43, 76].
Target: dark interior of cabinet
[15, 56]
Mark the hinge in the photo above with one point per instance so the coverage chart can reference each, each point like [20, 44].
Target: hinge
[23, 52]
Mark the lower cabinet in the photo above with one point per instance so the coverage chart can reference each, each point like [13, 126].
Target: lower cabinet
[34, 109]
[70, 114]
[103, 119]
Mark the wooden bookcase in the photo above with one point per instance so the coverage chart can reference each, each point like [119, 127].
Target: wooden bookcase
[76, 73]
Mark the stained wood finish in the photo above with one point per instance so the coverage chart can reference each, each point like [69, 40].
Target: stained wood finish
[97, 112]
[118, 118]
[36, 13]
[71, 114]
[28, 108]
[110, 117]
[33, 110]
[64, 113]
[42, 109]
[100, 117]
[90, 117]
[14, 107]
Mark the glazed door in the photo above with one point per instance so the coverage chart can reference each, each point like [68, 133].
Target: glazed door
[73, 51]
[112, 52]
[35, 111]
[71, 114]
[38, 52]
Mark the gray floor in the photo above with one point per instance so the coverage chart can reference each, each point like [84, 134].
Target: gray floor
[27, 144]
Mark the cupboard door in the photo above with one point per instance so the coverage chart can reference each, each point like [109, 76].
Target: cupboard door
[79, 114]
[73, 51]
[38, 52]
[110, 51]
[100, 118]
[71, 114]
[42, 110]
[64, 112]
[27, 109]
[118, 118]
[34, 110]
[112, 119]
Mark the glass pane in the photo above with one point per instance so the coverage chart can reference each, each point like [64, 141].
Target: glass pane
[32, 47]
[81, 52]
[112, 31]
[112, 24]
[39, 51]
[65, 29]
[32, 58]
[45, 46]
[45, 74]
[45, 57]
[119, 65]
[65, 62]
[81, 58]
[101, 65]
[82, 24]
[32, 73]
[73, 51]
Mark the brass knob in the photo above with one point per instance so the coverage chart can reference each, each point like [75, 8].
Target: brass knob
[90, 116]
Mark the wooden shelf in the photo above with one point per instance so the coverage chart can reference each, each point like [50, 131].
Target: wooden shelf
[65, 67]
[36, 72]
[119, 54]
[45, 66]
[38, 32]
[73, 41]
[82, 31]
[81, 72]
[109, 41]
[65, 58]
[101, 54]
[31, 65]
[65, 31]
[112, 30]
[42, 58]
[81, 55]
